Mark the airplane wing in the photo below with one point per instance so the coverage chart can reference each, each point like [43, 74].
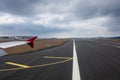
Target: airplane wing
[4, 45]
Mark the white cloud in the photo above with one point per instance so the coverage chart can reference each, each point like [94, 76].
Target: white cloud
[73, 28]
[11, 19]
[56, 20]
[62, 35]
[84, 28]
[48, 18]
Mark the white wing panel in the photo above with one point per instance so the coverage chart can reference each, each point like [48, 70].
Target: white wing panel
[12, 44]
[2, 52]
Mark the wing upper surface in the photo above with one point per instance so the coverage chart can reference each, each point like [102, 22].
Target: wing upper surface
[12, 44]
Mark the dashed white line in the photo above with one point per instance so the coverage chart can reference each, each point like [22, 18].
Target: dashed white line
[76, 71]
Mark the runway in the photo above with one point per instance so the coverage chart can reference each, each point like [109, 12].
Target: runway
[96, 61]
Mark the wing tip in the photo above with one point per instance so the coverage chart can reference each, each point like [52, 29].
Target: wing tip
[31, 41]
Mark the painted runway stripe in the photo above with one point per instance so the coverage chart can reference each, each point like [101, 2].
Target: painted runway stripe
[16, 64]
[76, 72]
[36, 66]
[57, 57]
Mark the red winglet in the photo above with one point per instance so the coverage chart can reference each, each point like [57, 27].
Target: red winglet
[31, 41]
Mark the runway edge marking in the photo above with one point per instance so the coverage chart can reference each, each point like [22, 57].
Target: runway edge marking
[53, 57]
[16, 64]
[76, 71]
[36, 66]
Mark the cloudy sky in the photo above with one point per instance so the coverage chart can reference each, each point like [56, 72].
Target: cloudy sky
[60, 18]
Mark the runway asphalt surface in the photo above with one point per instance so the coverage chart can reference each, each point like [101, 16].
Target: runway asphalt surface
[96, 62]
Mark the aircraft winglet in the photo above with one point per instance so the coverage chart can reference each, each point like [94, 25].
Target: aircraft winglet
[31, 41]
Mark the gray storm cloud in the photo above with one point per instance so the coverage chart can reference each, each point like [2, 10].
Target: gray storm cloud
[32, 7]
[19, 7]
[93, 8]
[87, 9]
[79, 10]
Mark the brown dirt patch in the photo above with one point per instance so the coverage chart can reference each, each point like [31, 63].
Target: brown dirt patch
[39, 45]
[112, 40]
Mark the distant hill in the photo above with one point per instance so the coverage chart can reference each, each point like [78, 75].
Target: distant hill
[118, 37]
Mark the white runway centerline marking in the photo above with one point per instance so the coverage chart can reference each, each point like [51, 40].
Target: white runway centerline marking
[76, 72]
